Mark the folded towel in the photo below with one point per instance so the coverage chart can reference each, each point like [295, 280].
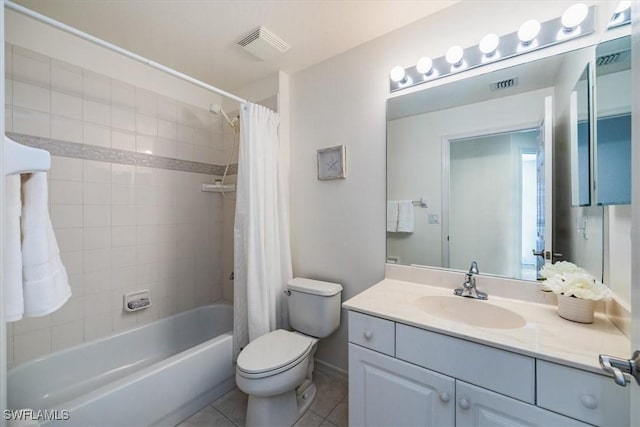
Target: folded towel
[45, 282]
[36, 282]
[392, 216]
[14, 304]
[405, 216]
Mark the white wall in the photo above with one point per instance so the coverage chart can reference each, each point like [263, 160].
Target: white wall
[338, 227]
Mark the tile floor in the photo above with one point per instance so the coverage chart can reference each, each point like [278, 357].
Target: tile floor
[330, 408]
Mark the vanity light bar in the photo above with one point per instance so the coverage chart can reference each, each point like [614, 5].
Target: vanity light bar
[548, 33]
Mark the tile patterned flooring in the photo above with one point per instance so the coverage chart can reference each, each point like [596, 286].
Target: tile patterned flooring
[330, 408]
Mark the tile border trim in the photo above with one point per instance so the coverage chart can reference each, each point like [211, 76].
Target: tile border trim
[112, 155]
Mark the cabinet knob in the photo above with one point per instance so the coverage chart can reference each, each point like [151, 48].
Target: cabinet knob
[444, 396]
[464, 403]
[588, 401]
[368, 334]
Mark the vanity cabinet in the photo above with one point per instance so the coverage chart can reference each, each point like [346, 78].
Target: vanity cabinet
[400, 375]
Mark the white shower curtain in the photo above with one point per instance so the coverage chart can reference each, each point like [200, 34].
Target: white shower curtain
[262, 256]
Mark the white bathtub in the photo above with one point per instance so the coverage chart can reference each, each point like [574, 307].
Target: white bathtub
[157, 374]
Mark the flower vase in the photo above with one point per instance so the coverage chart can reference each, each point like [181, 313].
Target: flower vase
[575, 309]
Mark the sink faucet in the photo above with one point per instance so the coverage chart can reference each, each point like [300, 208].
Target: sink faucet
[468, 288]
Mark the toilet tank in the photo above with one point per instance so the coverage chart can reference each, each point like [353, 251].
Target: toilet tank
[314, 306]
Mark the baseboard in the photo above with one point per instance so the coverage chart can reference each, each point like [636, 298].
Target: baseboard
[331, 371]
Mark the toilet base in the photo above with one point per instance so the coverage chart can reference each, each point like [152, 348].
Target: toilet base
[281, 410]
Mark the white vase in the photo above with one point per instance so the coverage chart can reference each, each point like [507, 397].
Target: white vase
[576, 309]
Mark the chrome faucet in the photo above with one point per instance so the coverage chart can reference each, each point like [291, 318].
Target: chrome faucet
[468, 288]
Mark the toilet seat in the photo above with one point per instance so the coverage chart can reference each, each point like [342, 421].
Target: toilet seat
[273, 353]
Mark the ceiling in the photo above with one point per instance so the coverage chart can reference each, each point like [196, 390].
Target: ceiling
[198, 37]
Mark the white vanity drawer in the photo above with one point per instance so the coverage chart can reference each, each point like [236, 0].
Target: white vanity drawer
[498, 370]
[372, 332]
[586, 396]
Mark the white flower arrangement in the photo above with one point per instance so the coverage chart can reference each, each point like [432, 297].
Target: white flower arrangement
[565, 278]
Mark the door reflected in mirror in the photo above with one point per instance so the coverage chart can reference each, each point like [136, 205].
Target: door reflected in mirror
[580, 141]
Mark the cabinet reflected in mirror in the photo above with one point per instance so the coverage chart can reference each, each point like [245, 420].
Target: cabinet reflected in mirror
[613, 112]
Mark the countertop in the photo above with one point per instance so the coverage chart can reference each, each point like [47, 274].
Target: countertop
[545, 336]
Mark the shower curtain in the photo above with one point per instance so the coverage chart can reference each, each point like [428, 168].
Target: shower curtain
[262, 256]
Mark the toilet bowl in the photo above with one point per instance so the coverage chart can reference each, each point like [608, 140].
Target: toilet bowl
[276, 369]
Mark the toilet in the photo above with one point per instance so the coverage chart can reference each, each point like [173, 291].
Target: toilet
[276, 369]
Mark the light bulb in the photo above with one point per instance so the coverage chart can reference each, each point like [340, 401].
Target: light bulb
[573, 16]
[489, 44]
[424, 65]
[528, 31]
[454, 55]
[397, 74]
[622, 6]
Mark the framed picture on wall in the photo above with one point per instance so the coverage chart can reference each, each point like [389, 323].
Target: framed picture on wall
[332, 163]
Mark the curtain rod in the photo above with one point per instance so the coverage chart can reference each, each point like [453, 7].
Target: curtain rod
[74, 31]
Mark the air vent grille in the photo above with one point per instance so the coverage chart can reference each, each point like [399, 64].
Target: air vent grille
[612, 58]
[263, 43]
[504, 84]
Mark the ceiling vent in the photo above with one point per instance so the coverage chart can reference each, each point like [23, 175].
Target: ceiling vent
[504, 84]
[262, 43]
[613, 58]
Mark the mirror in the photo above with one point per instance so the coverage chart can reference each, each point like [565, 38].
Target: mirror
[580, 141]
[469, 173]
[613, 112]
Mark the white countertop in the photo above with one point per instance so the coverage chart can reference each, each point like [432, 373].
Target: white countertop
[545, 336]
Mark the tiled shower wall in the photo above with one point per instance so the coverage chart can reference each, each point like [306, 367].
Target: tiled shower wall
[120, 227]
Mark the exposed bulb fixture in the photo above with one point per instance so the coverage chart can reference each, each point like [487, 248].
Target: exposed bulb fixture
[489, 44]
[573, 16]
[397, 74]
[424, 65]
[454, 55]
[622, 6]
[528, 31]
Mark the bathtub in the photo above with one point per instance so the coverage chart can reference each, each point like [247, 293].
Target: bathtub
[157, 374]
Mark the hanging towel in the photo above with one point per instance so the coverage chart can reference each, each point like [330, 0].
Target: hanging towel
[43, 285]
[392, 216]
[405, 216]
[14, 304]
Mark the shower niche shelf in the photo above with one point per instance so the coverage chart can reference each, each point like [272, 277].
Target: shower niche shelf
[218, 188]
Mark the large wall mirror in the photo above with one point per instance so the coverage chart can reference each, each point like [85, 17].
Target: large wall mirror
[470, 168]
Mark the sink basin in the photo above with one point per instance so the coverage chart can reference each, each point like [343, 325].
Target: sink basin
[471, 311]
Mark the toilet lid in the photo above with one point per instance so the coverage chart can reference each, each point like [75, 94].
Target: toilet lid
[272, 351]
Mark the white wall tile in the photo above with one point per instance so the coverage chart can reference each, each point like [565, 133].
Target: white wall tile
[146, 215]
[167, 129]
[96, 325]
[65, 192]
[30, 324]
[95, 171]
[97, 135]
[185, 114]
[67, 335]
[70, 311]
[96, 260]
[122, 118]
[97, 193]
[146, 125]
[123, 140]
[66, 105]
[147, 315]
[185, 151]
[66, 78]
[146, 274]
[63, 216]
[8, 60]
[123, 256]
[66, 168]
[97, 237]
[123, 277]
[146, 234]
[203, 154]
[8, 91]
[201, 137]
[201, 119]
[96, 216]
[96, 87]
[146, 102]
[66, 129]
[8, 119]
[123, 94]
[146, 176]
[123, 174]
[97, 112]
[97, 281]
[184, 134]
[165, 148]
[76, 283]
[146, 144]
[69, 239]
[146, 195]
[167, 109]
[123, 215]
[98, 303]
[31, 122]
[124, 235]
[146, 254]
[123, 194]
[123, 320]
[31, 345]
[30, 66]
[72, 261]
